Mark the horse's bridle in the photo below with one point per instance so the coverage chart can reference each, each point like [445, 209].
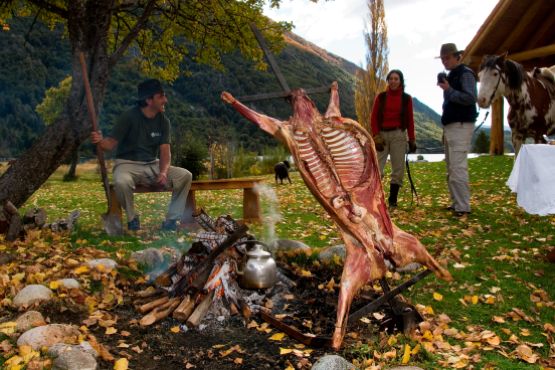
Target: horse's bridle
[496, 86]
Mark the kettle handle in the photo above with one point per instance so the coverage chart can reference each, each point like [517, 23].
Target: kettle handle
[254, 241]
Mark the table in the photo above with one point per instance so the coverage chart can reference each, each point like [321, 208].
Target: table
[533, 179]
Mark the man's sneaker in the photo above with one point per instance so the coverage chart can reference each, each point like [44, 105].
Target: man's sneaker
[169, 225]
[134, 224]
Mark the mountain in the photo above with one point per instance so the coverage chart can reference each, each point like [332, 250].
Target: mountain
[39, 59]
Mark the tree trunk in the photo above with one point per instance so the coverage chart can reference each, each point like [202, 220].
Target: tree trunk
[88, 26]
[70, 175]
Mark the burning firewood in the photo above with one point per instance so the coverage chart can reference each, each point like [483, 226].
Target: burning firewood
[205, 274]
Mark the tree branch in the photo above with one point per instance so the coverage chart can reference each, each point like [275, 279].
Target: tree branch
[132, 35]
[53, 8]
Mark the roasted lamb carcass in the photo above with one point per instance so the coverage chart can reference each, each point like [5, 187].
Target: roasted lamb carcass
[337, 160]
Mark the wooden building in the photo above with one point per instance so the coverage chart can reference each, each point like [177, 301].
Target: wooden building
[523, 29]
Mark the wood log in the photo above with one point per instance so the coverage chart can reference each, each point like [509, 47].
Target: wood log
[202, 271]
[185, 309]
[148, 292]
[201, 310]
[160, 312]
[151, 305]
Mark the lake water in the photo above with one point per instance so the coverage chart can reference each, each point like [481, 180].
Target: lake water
[438, 157]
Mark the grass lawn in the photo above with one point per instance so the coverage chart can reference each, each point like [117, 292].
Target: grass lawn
[498, 313]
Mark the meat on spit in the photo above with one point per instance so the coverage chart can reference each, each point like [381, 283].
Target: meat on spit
[337, 160]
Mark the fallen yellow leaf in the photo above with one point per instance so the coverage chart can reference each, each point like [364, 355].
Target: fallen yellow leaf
[406, 355]
[111, 330]
[277, 336]
[285, 351]
[121, 364]
[175, 329]
[437, 296]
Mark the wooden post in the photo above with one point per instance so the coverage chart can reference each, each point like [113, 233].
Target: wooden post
[496, 134]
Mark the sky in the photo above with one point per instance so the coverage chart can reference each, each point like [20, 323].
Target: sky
[416, 29]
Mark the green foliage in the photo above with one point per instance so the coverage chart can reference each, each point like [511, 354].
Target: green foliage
[481, 143]
[54, 99]
[245, 163]
[271, 156]
[190, 154]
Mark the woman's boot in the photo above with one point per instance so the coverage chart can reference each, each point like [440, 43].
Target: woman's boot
[393, 192]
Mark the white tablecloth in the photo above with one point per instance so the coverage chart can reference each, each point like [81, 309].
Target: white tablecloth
[533, 179]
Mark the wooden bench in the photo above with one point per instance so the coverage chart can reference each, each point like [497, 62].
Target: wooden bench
[251, 199]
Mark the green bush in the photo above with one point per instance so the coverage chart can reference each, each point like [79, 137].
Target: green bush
[191, 154]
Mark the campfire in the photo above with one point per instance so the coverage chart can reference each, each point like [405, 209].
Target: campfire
[210, 277]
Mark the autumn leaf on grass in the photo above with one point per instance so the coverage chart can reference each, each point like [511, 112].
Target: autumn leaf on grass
[111, 330]
[438, 296]
[525, 353]
[277, 336]
[285, 351]
[406, 355]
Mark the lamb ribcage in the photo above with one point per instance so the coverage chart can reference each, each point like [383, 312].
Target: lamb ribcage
[344, 150]
[347, 156]
[318, 169]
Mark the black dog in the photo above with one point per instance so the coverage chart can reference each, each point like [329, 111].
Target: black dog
[282, 171]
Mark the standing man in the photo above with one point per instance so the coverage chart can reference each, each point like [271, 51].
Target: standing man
[458, 118]
[141, 134]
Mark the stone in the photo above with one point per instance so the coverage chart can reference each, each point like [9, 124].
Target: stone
[59, 348]
[69, 283]
[48, 335]
[327, 254]
[28, 320]
[288, 245]
[149, 258]
[74, 359]
[108, 263]
[32, 294]
[332, 362]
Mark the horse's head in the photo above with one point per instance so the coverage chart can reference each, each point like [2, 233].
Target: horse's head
[497, 74]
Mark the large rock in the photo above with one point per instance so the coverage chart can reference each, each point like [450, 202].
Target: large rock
[149, 258]
[59, 348]
[69, 283]
[107, 263]
[332, 362]
[74, 359]
[32, 294]
[48, 335]
[288, 245]
[28, 320]
[327, 254]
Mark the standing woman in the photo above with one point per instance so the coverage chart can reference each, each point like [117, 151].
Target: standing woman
[392, 120]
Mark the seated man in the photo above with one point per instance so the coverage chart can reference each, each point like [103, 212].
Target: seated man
[140, 135]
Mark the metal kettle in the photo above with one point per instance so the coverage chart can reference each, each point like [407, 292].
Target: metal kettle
[259, 269]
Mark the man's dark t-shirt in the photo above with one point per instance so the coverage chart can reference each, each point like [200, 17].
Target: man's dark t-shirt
[139, 138]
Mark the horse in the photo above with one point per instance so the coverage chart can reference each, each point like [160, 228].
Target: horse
[531, 97]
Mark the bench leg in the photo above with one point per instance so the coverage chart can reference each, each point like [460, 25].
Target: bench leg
[251, 205]
[190, 206]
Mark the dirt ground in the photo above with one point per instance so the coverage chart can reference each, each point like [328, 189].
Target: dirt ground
[228, 344]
